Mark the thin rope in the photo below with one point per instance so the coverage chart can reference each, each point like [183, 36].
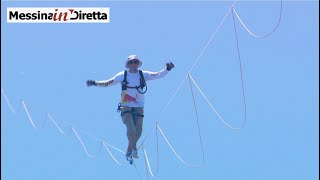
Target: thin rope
[158, 152]
[111, 146]
[146, 160]
[136, 169]
[200, 55]
[28, 114]
[7, 100]
[84, 147]
[158, 155]
[92, 137]
[174, 151]
[45, 121]
[174, 95]
[197, 117]
[241, 72]
[115, 148]
[106, 147]
[55, 123]
[100, 140]
[145, 138]
[213, 35]
[72, 129]
[260, 36]
[148, 164]
[222, 120]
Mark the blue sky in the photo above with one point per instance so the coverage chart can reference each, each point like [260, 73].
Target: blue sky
[47, 65]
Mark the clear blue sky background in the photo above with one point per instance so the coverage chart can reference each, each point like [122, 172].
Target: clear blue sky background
[47, 65]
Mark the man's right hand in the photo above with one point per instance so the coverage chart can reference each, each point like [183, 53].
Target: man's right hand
[91, 83]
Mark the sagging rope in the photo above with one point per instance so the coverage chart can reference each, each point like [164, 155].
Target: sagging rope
[169, 144]
[84, 147]
[197, 60]
[8, 102]
[241, 75]
[199, 56]
[197, 117]
[146, 160]
[106, 147]
[76, 133]
[72, 128]
[174, 151]
[28, 114]
[215, 111]
[260, 36]
[55, 123]
[158, 155]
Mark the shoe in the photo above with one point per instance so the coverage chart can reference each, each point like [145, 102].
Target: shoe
[129, 156]
[134, 154]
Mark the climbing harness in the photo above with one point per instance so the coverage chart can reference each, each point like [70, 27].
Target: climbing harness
[142, 83]
[125, 86]
[133, 112]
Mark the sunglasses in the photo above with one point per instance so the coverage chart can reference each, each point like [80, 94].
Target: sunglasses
[133, 62]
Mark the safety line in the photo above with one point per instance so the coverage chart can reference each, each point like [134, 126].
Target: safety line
[28, 114]
[106, 147]
[213, 35]
[49, 116]
[55, 123]
[133, 162]
[174, 151]
[198, 123]
[111, 146]
[216, 112]
[197, 60]
[260, 36]
[241, 72]
[147, 161]
[7, 100]
[84, 147]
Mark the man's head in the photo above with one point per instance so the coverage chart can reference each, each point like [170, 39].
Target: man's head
[133, 63]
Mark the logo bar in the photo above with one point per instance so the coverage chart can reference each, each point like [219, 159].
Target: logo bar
[59, 15]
